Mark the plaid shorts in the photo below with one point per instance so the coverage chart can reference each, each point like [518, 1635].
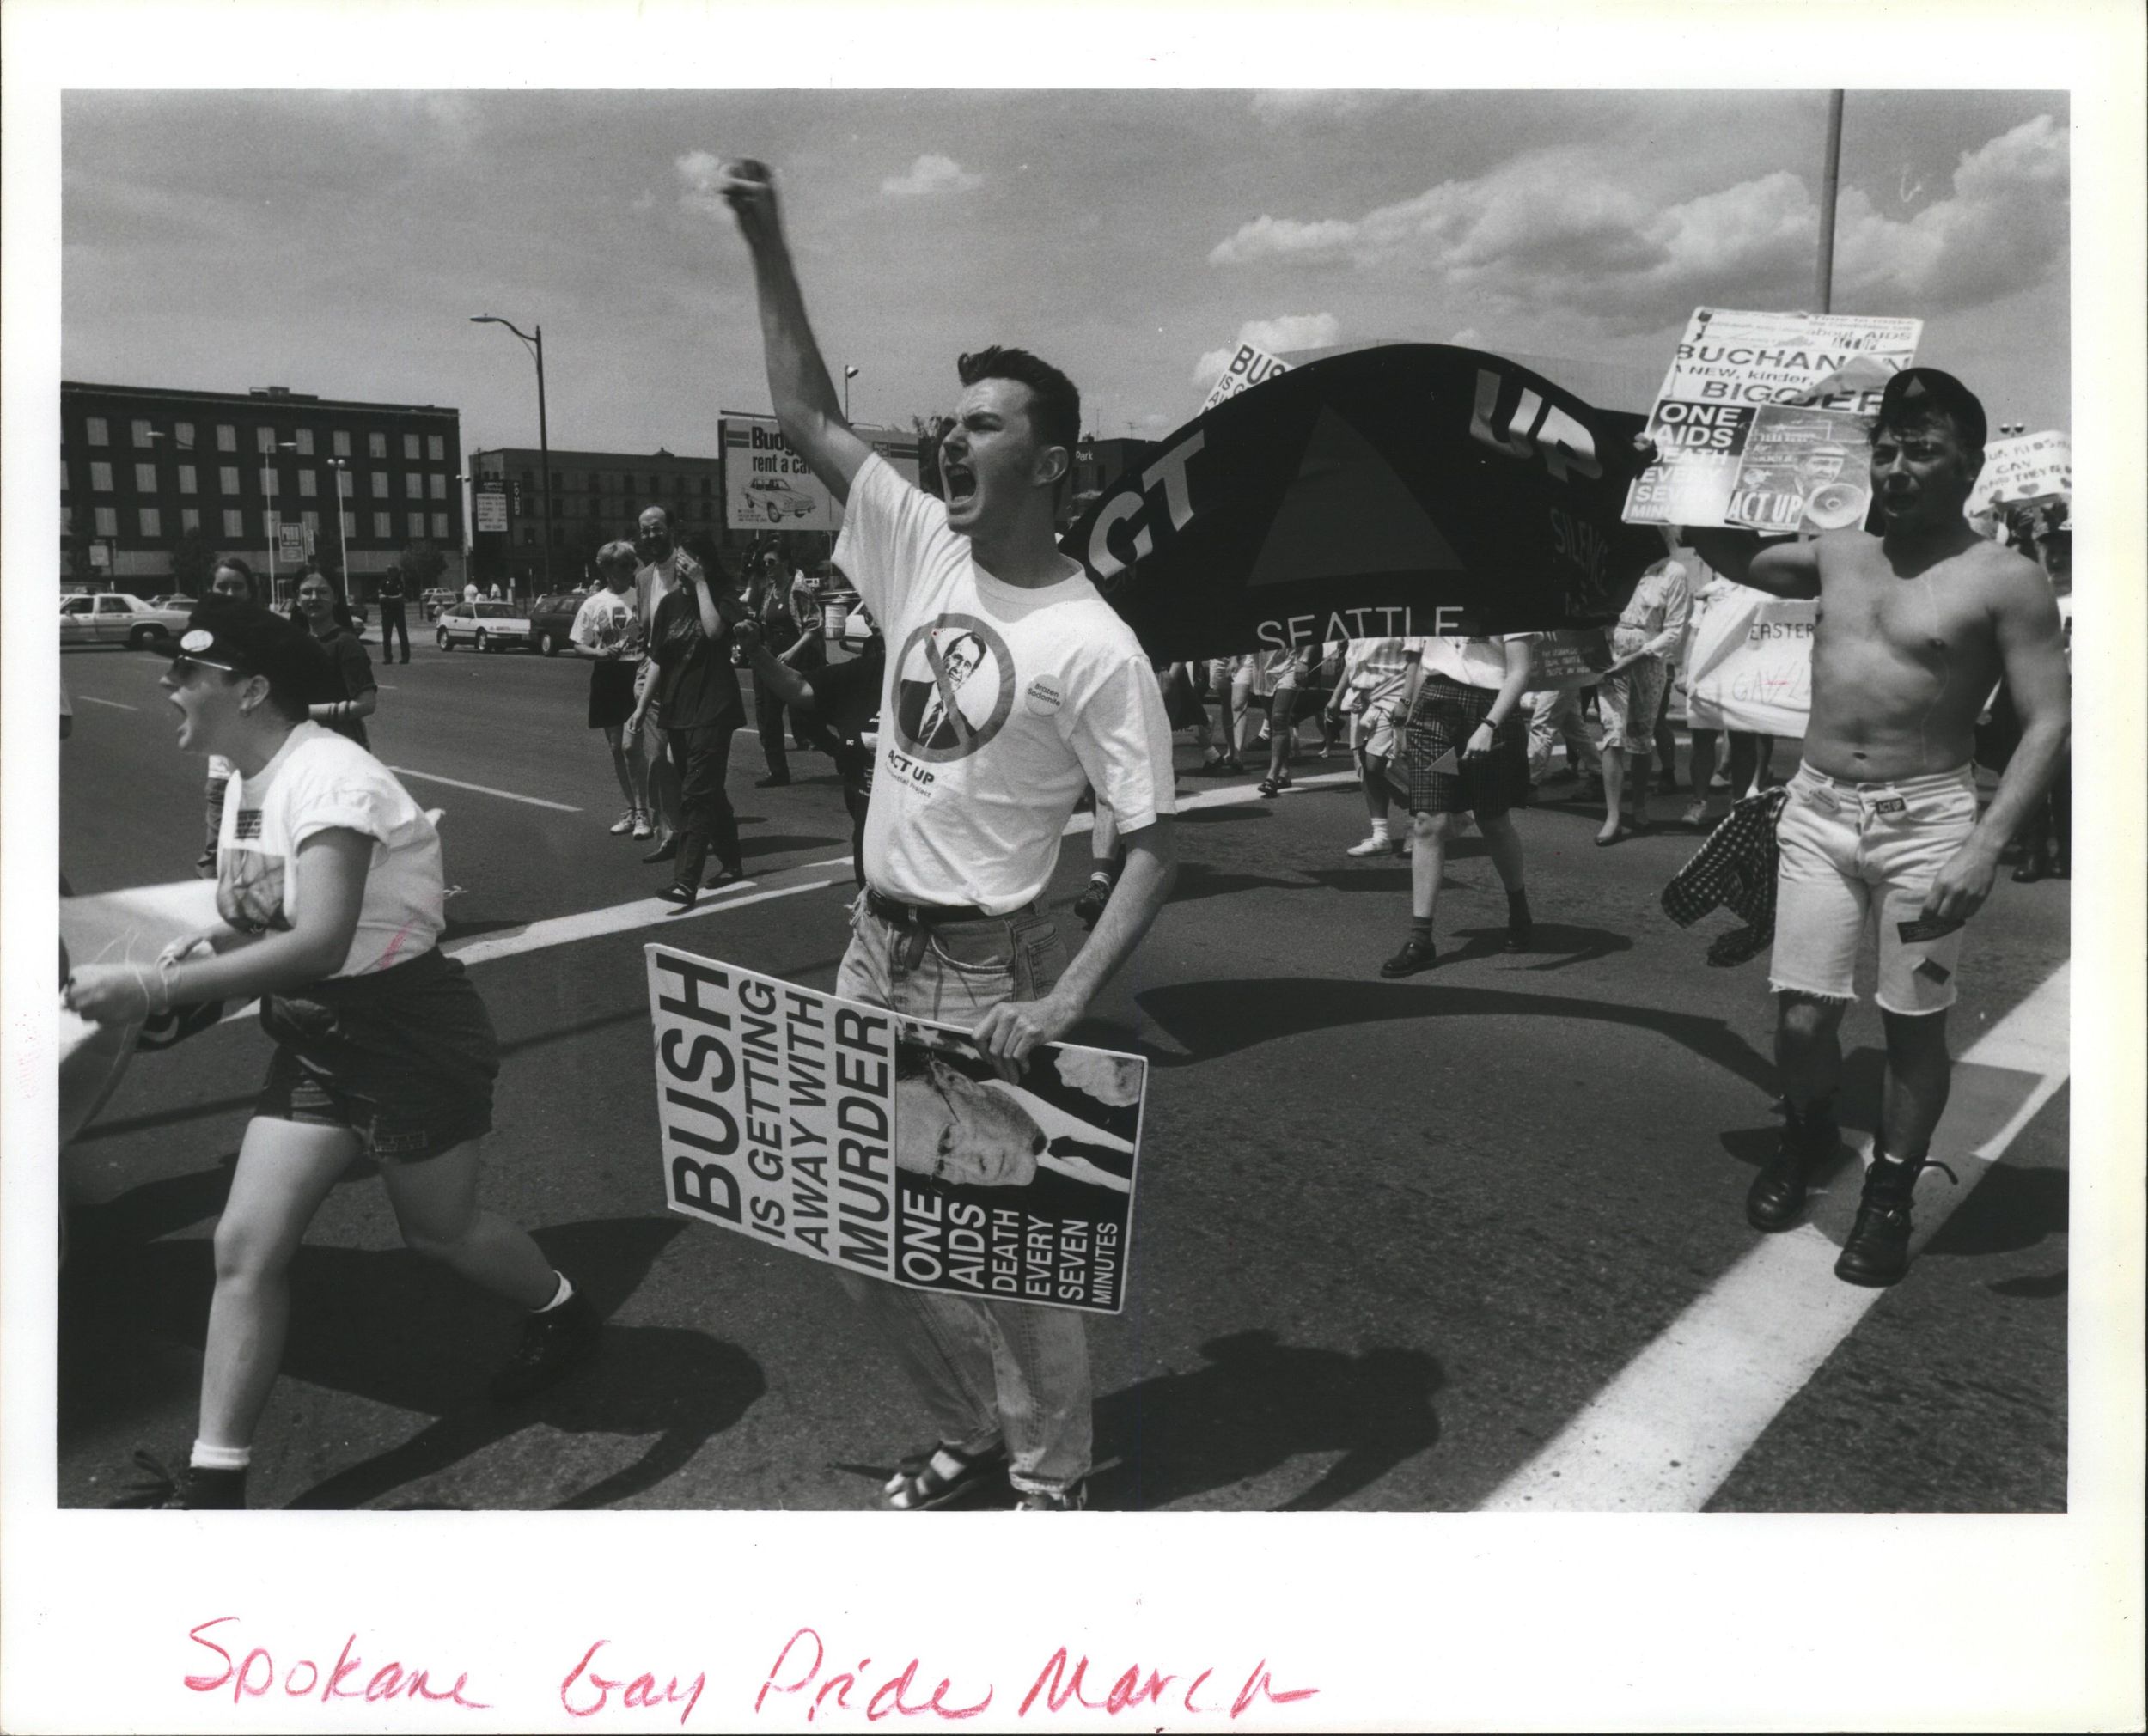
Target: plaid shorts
[1446, 716]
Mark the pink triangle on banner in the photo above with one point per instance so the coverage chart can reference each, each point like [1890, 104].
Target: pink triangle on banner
[1347, 512]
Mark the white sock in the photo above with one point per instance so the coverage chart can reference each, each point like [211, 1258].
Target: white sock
[1379, 832]
[561, 1294]
[207, 1458]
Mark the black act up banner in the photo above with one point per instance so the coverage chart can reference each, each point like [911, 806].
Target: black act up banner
[1414, 489]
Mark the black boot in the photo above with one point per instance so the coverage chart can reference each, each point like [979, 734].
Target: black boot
[1519, 928]
[1777, 1193]
[1877, 1253]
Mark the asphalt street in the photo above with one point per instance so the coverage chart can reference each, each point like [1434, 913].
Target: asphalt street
[1392, 1237]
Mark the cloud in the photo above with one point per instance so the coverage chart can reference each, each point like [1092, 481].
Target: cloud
[932, 173]
[699, 173]
[1285, 332]
[1548, 230]
[1277, 107]
[1469, 337]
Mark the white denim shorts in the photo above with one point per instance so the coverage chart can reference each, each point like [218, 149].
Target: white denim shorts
[1849, 849]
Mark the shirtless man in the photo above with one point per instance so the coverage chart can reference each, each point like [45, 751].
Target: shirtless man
[1915, 628]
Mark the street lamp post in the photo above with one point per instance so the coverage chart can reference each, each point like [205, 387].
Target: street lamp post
[850, 373]
[535, 345]
[341, 466]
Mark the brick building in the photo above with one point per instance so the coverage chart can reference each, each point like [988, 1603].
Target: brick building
[596, 497]
[142, 466]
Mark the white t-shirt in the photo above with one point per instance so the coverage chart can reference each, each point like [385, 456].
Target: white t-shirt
[1000, 704]
[319, 780]
[608, 619]
[1474, 662]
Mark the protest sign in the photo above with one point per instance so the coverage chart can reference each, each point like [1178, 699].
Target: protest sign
[1572, 657]
[889, 1146]
[1412, 488]
[1249, 367]
[2030, 466]
[1751, 667]
[1764, 421]
[767, 485]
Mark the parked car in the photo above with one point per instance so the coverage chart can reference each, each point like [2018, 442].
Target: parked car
[178, 599]
[114, 617]
[552, 620]
[484, 626]
[432, 602]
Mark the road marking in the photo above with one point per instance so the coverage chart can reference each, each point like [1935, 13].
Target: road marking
[1676, 1420]
[485, 789]
[92, 699]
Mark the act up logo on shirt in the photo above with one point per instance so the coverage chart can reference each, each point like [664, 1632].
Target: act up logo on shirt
[1405, 490]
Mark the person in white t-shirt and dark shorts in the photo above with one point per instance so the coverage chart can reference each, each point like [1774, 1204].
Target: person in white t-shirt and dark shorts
[1464, 753]
[329, 885]
[608, 629]
[1010, 686]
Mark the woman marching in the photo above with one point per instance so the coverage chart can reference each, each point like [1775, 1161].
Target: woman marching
[320, 611]
[608, 629]
[329, 878]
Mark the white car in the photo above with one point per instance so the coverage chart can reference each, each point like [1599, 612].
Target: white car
[114, 617]
[779, 498]
[487, 626]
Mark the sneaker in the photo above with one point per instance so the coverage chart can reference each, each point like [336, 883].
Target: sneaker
[624, 824]
[1375, 845]
[1416, 955]
[641, 827]
[191, 1489]
[1071, 1499]
[553, 1343]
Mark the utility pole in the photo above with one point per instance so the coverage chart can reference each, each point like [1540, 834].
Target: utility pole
[1830, 181]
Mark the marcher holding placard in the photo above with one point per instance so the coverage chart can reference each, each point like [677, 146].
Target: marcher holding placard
[1465, 752]
[1915, 627]
[1011, 685]
[329, 884]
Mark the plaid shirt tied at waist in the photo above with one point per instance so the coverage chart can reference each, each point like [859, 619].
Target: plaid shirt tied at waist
[1734, 870]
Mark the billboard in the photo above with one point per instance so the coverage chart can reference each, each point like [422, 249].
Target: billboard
[767, 486]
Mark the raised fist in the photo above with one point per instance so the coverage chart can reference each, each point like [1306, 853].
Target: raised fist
[750, 189]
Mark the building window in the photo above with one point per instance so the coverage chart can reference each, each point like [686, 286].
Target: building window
[189, 518]
[529, 478]
[100, 476]
[268, 481]
[597, 508]
[413, 486]
[138, 432]
[376, 446]
[439, 525]
[188, 479]
[227, 478]
[152, 522]
[410, 447]
[183, 435]
[439, 486]
[342, 440]
[350, 523]
[227, 437]
[97, 431]
[312, 522]
[345, 484]
[304, 436]
[435, 446]
[383, 526]
[233, 522]
[416, 525]
[307, 489]
[529, 535]
[145, 478]
[264, 439]
[107, 520]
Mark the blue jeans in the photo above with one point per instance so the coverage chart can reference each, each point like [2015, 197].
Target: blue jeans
[989, 1371]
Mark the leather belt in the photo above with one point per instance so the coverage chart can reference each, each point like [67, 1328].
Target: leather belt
[927, 916]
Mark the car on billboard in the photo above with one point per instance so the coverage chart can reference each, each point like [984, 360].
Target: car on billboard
[483, 626]
[775, 497]
[115, 618]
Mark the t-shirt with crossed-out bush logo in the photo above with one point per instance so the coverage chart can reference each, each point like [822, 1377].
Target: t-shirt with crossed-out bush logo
[1000, 704]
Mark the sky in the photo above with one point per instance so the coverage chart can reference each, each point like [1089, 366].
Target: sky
[337, 242]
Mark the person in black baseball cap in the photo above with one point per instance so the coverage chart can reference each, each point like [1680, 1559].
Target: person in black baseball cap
[331, 894]
[1880, 828]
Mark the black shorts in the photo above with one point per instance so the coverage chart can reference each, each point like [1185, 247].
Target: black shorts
[1181, 705]
[1446, 716]
[404, 1057]
[611, 693]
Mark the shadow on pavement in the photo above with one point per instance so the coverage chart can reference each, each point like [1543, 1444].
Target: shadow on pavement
[1254, 1407]
[388, 1327]
[1573, 944]
[1213, 1019]
[774, 842]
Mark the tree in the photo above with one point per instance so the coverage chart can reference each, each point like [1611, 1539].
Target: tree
[193, 561]
[421, 565]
